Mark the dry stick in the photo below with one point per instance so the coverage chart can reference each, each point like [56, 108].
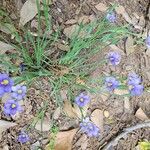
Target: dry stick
[123, 134]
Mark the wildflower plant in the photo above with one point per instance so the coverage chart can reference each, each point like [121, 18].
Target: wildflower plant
[36, 51]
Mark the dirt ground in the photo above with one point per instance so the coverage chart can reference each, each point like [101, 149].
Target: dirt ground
[122, 112]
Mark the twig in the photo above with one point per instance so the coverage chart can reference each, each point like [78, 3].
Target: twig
[126, 131]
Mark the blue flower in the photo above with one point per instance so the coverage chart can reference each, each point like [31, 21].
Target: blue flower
[111, 83]
[111, 17]
[22, 67]
[23, 137]
[148, 41]
[11, 107]
[114, 58]
[82, 100]
[136, 90]
[89, 128]
[5, 84]
[134, 79]
[19, 92]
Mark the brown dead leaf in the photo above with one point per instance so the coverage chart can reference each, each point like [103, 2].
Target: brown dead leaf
[69, 110]
[57, 113]
[43, 125]
[28, 12]
[141, 115]
[71, 21]
[63, 140]
[63, 94]
[98, 118]
[101, 7]
[63, 47]
[121, 92]
[120, 10]
[105, 96]
[84, 19]
[69, 31]
[74, 111]
[5, 47]
[130, 45]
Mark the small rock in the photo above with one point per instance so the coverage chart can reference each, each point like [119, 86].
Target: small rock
[106, 113]
[141, 115]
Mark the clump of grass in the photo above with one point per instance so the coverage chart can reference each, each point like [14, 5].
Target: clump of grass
[36, 53]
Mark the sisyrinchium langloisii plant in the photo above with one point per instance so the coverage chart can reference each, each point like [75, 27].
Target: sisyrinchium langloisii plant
[35, 53]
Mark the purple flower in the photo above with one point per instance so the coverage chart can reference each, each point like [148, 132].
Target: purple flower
[136, 90]
[23, 137]
[82, 100]
[111, 17]
[11, 107]
[19, 92]
[148, 41]
[5, 84]
[22, 67]
[89, 128]
[134, 79]
[111, 83]
[114, 58]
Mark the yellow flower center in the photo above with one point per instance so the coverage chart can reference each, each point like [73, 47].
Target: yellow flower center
[81, 99]
[13, 105]
[5, 82]
[130, 87]
[19, 91]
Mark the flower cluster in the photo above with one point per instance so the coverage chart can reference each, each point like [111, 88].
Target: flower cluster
[12, 106]
[89, 128]
[18, 92]
[86, 125]
[134, 83]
